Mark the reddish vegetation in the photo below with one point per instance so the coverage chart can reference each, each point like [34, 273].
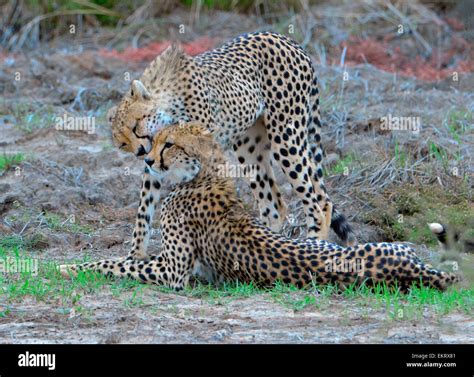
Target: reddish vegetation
[149, 52]
[455, 24]
[389, 54]
[4, 55]
[457, 57]
[383, 53]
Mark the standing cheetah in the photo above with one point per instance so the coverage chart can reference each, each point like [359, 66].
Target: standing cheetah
[258, 94]
[206, 231]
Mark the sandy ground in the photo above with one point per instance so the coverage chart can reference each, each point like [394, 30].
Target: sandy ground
[170, 318]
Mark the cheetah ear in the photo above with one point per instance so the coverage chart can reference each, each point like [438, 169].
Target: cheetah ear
[166, 62]
[172, 52]
[139, 92]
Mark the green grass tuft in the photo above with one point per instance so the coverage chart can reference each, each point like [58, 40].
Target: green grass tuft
[58, 223]
[343, 165]
[9, 160]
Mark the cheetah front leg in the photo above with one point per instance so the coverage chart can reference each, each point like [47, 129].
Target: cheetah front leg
[150, 194]
[155, 270]
[172, 268]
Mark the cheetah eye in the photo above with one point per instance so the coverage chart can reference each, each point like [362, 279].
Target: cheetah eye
[123, 145]
[168, 145]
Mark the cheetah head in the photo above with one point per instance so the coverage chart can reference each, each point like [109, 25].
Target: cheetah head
[178, 151]
[153, 102]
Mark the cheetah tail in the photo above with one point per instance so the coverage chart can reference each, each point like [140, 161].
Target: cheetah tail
[439, 230]
[342, 228]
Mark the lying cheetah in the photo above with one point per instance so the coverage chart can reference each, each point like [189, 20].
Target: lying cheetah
[206, 231]
[258, 94]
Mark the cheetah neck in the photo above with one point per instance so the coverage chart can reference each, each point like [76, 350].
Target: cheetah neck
[212, 175]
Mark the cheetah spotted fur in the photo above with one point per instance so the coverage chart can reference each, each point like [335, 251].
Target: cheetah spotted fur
[207, 232]
[259, 95]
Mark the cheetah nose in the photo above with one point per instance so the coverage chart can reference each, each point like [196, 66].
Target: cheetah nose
[149, 162]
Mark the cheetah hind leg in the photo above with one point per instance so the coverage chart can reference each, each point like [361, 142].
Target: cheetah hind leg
[253, 149]
[327, 215]
[325, 219]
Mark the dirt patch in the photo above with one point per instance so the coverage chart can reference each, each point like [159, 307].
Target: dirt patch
[170, 318]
